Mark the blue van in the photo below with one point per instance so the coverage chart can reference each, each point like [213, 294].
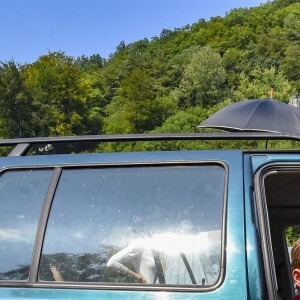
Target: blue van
[201, 224]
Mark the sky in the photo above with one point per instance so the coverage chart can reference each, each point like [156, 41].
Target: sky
[31, 28]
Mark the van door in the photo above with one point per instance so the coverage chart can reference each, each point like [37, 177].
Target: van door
[277, 203]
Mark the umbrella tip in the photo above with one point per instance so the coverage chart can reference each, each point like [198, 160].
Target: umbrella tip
[272, 93]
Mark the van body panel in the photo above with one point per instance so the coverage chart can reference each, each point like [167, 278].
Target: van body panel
[260, 160]
[235, 281]
[119, 158]
[63, 294]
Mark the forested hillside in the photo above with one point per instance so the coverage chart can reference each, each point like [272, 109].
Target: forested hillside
[167, 84]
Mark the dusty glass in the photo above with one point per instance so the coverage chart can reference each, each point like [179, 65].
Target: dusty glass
[22, 195]
[142, 224]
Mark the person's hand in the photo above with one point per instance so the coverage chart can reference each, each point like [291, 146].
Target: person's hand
[140, 278]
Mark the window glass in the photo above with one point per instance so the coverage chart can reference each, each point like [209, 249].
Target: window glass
[22, 195]
[136, 225]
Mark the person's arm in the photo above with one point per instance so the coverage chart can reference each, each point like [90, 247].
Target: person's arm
[56, 274]
[116, 260]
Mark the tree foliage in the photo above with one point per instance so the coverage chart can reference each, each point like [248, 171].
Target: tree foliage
[15, 102]
[203, 79]
[59, 95]
[257, 85]
[168, 83]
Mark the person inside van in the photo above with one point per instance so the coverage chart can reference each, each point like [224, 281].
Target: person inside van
[295, 257]
[168, 257]
[141, 258]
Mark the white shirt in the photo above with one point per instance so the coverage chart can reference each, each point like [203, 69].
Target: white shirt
[169, 245]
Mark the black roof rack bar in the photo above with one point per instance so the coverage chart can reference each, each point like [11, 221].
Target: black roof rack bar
[151, 137]
[19, 149]
[22, 145]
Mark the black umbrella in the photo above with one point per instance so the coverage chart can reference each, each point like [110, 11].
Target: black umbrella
[267, 115]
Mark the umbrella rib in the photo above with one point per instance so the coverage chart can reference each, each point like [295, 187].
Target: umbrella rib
[253, 111]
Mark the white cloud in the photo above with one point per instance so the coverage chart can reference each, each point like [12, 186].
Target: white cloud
[77, 235]
[25, 234]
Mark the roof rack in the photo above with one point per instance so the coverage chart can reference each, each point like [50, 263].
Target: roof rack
[22, 145]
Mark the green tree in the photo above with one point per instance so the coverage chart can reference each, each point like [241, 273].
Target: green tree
[291, 65]
[203, 80]
[15, 102]
[272, 46]
[134, 100]
[136, 108]
[91, 63]
[238, 16]
[292, 26]
[258, 85]
[235, 61]
[59, 91]
[181, 121]
[175, 66]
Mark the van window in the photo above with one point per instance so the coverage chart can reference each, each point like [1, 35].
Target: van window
[22, 195]
[139, 225]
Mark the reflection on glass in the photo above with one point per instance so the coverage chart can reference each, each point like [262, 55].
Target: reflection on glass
[106, 221]
[22, 195]
[171, 258]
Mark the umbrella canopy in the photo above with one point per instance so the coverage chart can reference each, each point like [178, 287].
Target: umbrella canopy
[266, 115]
